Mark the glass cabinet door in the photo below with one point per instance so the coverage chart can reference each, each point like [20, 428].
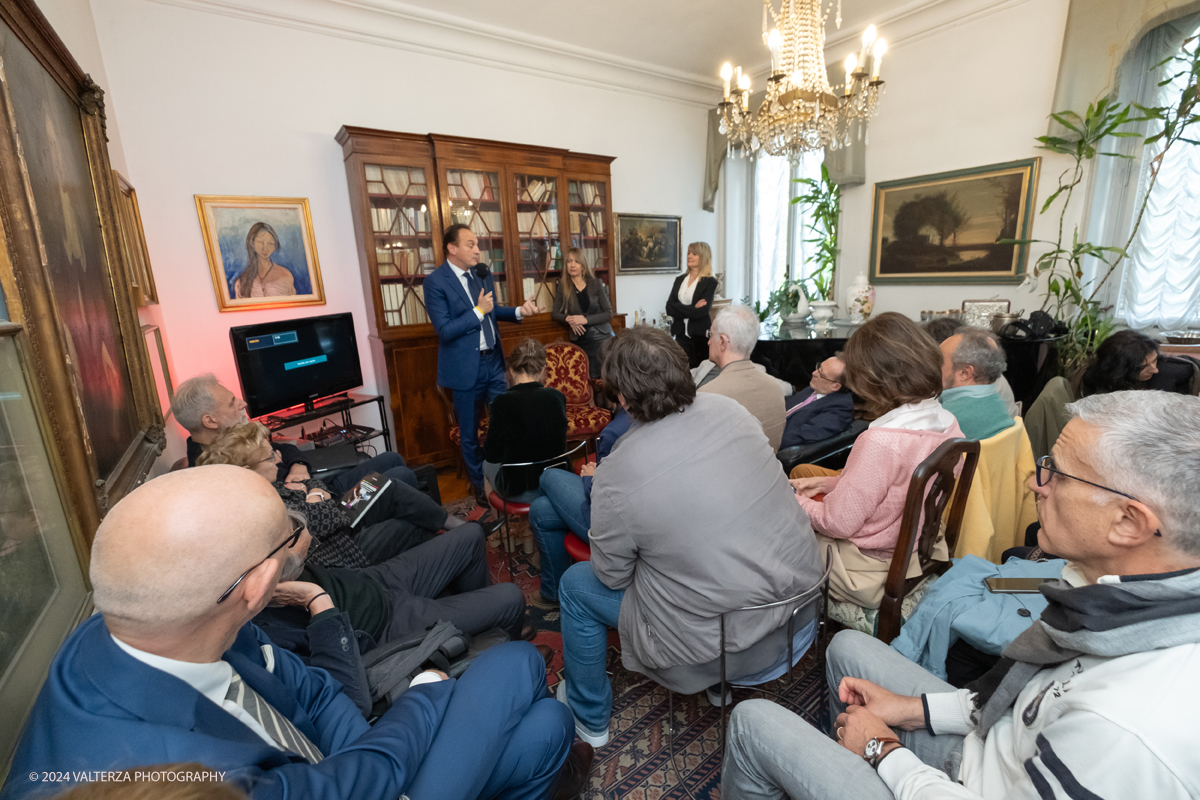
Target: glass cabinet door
[474, 200]
[589, 229]
[403, 233]
[537, 227]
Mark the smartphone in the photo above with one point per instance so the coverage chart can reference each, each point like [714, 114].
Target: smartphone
[1014, 585]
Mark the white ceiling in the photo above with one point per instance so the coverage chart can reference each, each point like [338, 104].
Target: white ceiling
[687, 36]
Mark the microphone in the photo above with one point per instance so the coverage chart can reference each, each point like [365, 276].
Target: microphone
[481, 271]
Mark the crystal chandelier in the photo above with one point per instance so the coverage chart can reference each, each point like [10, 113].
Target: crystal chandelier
[801, 112]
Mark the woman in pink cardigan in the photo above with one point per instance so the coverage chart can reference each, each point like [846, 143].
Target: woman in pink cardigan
[897, 369]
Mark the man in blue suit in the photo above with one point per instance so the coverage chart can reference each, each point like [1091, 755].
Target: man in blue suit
[462, 309]
[824, 409]
[171, 671]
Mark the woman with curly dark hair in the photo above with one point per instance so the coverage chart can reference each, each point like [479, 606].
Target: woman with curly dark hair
[1125, 360]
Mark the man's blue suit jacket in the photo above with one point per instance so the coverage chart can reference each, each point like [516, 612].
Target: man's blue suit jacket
[101, 709]
[820, 419]
[453, 316]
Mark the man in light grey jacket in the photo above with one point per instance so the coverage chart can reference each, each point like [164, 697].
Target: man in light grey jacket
[691, 518]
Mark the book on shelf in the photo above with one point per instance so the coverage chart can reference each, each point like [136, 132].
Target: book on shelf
[382, 219]
[373, 172]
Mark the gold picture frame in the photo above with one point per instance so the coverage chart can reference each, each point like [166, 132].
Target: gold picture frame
[133, 243]
[960, 227]
[277, 232]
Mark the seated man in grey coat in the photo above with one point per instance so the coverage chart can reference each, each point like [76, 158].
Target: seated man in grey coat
[691, 518]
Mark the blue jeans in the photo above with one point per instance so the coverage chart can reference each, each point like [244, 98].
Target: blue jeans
[589, 609]
[563, 508]
[388, 463]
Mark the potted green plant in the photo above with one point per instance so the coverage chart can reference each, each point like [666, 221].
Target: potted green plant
[822, 199]
[1068, 297]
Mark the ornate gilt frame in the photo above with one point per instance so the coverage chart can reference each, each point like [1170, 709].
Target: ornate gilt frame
[205, 202]
[31, 303]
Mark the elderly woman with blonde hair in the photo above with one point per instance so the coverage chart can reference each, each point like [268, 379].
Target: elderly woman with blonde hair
[401, 518]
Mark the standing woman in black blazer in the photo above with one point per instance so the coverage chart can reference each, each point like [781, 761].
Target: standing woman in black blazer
[690, 301]
[581, 302]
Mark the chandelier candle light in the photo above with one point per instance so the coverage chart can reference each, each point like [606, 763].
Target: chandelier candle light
[801, 112]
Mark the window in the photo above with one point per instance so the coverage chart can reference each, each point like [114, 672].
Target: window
[778, 247]
[1159, 282]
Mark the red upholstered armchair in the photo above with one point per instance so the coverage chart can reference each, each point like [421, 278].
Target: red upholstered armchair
[567, 371]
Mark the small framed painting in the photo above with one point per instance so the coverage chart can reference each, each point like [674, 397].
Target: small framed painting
[160, 368]
[954, 227]
[648, 244]
[261, 251]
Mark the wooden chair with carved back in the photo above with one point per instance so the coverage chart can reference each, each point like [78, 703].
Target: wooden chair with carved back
[932, 487]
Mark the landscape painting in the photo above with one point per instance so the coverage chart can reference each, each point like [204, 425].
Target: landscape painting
[952, 227]
[648, 244]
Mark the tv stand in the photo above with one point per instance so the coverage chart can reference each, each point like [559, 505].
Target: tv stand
[331, 406]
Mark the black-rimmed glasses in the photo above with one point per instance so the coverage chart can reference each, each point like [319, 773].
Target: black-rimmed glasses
[1046, 464]
[297, 529]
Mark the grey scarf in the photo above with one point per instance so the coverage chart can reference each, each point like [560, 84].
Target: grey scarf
[1143, 612]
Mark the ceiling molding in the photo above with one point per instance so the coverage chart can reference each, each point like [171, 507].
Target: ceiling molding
[906, 24]
[387, 23]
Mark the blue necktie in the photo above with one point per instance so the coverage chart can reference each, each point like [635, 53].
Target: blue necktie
[476, 286]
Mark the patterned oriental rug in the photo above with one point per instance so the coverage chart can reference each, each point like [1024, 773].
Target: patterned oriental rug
[635, 764]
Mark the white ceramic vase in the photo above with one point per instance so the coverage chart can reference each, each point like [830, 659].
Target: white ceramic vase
[823, 311]
[798, 316]
[860, 299]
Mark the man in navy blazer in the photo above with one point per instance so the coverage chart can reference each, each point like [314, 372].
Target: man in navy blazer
[462, 309]
[822, 410]
[171, 671]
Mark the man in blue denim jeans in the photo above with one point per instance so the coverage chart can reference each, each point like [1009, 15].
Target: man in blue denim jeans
[691, 518]
[565, 506]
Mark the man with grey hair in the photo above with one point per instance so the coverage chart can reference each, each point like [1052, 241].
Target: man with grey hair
[730, 343]
[206, 409]
[171, 670]
[972, 362]
[1096, 697]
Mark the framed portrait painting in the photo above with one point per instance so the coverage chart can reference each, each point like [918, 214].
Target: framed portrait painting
[954, 227]
[648, 244]
[261, 251]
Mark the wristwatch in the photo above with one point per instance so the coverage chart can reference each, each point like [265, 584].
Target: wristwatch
[873, 752]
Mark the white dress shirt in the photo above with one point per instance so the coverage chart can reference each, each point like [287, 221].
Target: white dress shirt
[464, 280]
[687, 290]
[211, 680]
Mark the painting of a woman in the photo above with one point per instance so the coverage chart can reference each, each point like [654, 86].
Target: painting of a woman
[262, 277]
[261, 251]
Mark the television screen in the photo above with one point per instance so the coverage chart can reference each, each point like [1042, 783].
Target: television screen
[285, 363]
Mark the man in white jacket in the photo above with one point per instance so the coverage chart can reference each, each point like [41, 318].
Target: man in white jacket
[1097, 698]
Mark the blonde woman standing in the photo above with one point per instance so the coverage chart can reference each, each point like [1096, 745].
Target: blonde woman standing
[581, 302]
[689, 303]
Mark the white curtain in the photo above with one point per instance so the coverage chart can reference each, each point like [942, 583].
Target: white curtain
[1161, 283]
[760, 235]
[771, 194]
[802, 251]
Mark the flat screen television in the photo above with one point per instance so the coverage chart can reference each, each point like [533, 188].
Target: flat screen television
[286, 363]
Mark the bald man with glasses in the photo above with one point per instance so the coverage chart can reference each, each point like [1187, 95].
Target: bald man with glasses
[170, 670]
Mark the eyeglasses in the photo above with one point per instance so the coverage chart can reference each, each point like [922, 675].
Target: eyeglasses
[297, 529]
[1046, 464]
[822, 375]
[254, 464]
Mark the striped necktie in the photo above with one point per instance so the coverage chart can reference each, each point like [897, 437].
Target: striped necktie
[277, 726]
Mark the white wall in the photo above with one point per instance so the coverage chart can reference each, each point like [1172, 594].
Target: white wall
[970, 94]
[217, 104]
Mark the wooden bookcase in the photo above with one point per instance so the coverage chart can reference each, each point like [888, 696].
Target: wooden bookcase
[526, 204]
